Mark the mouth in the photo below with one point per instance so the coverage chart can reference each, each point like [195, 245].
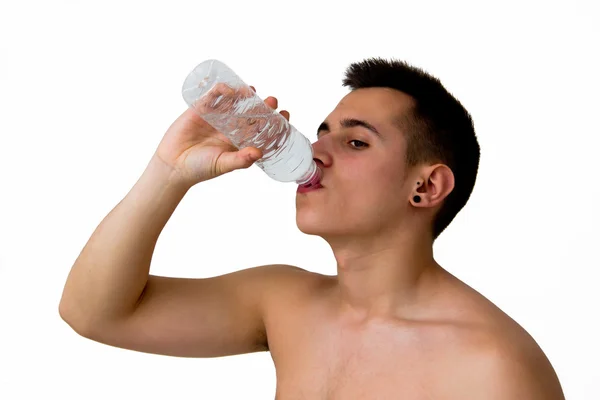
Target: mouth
[311, 188]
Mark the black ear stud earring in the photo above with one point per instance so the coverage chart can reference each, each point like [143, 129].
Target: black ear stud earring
[417, 199]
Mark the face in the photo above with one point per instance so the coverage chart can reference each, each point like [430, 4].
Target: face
[361, 151]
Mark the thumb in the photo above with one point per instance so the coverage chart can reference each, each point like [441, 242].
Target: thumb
[240, 159]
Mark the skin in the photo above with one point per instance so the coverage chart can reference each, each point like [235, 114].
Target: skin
[390, 324]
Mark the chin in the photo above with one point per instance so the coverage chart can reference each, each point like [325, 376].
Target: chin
[310, 226]
[311, 223]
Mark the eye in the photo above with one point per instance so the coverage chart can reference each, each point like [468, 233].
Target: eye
[363, 144]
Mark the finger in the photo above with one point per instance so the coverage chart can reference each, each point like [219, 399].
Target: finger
[285, 114]
[251, 154]
[237, 159]
[222, 89]
[245, 158]
[271, 102]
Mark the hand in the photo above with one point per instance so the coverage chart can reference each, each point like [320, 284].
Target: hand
[197, 152]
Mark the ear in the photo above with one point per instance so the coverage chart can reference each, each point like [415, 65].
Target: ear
[436, 184]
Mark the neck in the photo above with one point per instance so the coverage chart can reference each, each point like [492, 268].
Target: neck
[384, 276]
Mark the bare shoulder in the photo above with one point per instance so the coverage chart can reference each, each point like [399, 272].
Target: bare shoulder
[287, 283]
[509, 364]
[502, 360]
[290, 294]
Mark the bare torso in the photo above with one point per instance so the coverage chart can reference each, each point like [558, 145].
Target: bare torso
[322, 355]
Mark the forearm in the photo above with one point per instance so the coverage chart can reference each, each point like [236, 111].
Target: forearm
[111, 271]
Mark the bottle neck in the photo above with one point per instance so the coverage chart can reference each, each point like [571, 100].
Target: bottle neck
[312, 177]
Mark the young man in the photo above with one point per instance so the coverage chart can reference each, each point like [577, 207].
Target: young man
[399, 158]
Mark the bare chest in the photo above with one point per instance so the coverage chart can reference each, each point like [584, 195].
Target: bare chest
[331, 362]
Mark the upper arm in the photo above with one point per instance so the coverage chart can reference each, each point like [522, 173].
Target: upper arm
[208, 317]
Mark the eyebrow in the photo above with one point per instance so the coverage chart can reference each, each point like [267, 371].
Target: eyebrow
[350, 123]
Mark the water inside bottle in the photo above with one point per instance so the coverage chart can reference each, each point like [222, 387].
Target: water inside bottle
[281, 144]
[247, 121]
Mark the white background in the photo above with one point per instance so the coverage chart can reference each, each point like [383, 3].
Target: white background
[87, 89]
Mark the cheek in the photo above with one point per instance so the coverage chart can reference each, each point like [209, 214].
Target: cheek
[379, 178]
[369, 194]
[373, 178]
[380, 189]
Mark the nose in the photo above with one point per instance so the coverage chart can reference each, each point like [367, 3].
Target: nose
[320, 155]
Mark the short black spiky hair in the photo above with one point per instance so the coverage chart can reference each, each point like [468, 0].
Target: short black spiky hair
[438, 128]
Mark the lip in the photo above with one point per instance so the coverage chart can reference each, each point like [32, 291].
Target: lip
[304, 189]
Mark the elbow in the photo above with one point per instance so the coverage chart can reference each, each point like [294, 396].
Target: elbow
[73, 318]
[87, 323]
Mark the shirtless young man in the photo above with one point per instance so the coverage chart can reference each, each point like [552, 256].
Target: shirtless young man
[399, 158]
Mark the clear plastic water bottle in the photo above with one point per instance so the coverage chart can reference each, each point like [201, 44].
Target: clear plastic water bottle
[223, 100]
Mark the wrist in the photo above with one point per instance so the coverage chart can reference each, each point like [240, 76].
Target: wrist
[160, 180]
[163, 174]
